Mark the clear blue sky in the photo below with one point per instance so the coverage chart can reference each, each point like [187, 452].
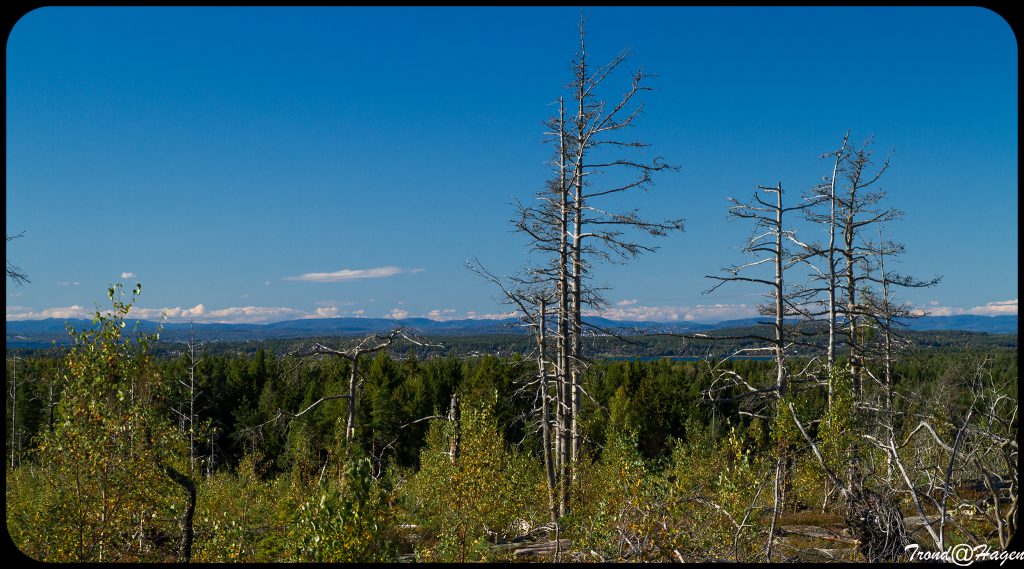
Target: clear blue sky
[220, 154]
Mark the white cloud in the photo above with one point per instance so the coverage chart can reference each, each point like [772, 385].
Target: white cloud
[358, 313]
[441, 315]
[266, 283]
[198, 313]
[325, 312]
[346, 275]
[629, 310]
[397, 314]
[416, 271]
[172, 314]
[67, 283]
[995, 308]
[252, 314]
[26, 313]
[128, 275]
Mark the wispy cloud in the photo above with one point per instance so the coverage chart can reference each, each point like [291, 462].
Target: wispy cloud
[346, 275]
[128, 275]
[330, 303]
[67, 283]
[995, 308]
[474, 315]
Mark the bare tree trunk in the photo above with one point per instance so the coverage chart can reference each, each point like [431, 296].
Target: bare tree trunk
[14, 410]
[562, 372]
[453, 419]
[775, 510]
[890, 417]
[185, 521]
[851, 302]
[780, 308]
[191, 399]
[544, 415]
[350, 425]
[831, 352]
[577, 265]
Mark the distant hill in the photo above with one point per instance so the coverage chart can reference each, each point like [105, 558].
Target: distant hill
[36, 333]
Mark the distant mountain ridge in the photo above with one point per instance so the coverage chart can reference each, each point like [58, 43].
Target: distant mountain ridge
[23, 332]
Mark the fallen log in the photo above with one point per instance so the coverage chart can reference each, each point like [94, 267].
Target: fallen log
[541, 548]
[817, 533]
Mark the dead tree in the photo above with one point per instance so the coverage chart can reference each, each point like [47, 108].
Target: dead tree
[594, 129]
[946, 457]
[187, 413]
[367, 345]
[573, 225]
[872, 516]
[570, 232]
[768, 244]
[531, 296]
[889, 318]
[826, 193]
[857, 288]
[857, 210]
[13, 384]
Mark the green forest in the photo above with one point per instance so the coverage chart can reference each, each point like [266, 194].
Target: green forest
[830, 434]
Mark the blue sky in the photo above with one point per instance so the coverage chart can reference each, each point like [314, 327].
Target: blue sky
[263, 164]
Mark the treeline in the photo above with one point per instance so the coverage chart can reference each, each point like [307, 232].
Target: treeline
[506, 345]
